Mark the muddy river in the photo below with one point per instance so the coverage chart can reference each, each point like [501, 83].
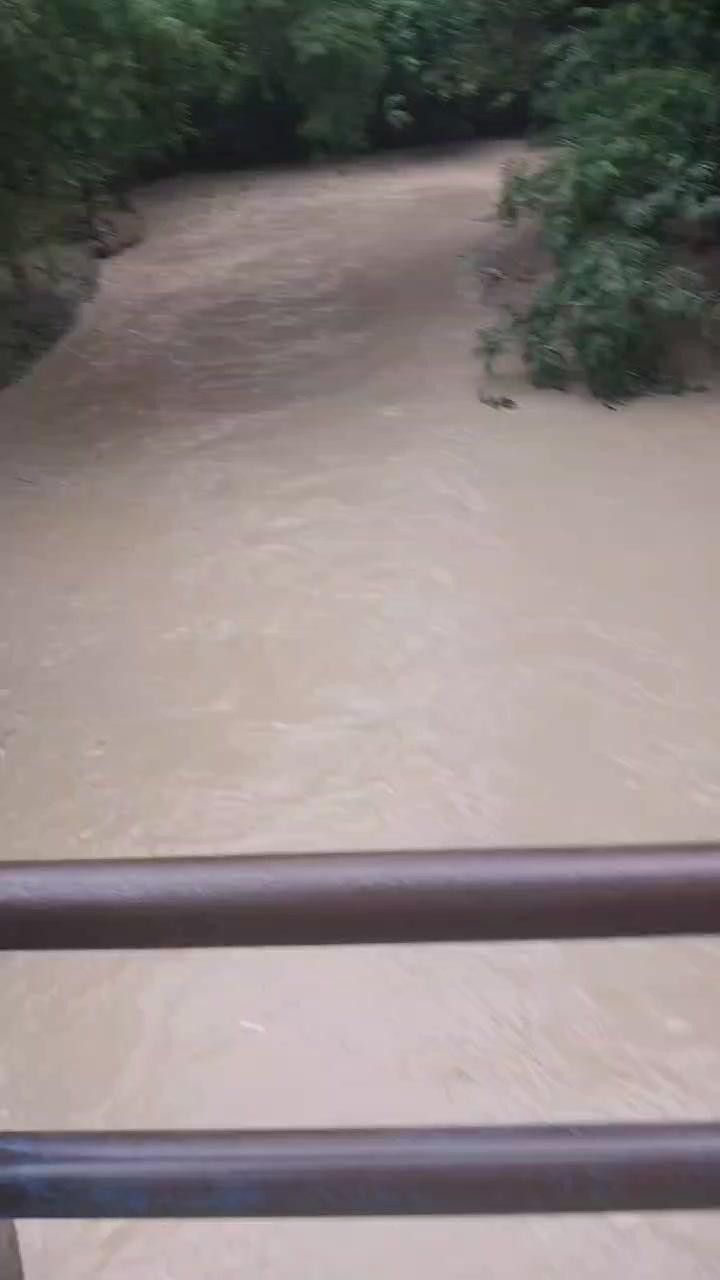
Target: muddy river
[275, 579]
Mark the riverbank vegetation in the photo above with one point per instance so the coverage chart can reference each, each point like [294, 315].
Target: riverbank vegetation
[628, 202]
[97, 95]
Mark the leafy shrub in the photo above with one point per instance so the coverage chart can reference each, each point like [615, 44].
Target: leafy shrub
[638, 169]
[610, 315]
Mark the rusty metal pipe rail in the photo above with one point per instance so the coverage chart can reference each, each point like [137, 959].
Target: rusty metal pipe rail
[308, 900]
[583, 1169]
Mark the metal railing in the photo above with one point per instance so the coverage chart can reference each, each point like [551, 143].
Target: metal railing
[339, 899]
[336, 899]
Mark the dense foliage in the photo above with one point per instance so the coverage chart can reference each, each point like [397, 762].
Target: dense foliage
[93, 91]
[633, 187]
[88, 89]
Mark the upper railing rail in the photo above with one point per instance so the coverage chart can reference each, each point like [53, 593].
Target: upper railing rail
[345, 898]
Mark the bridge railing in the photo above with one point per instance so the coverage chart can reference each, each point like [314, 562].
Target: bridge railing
[342, 899]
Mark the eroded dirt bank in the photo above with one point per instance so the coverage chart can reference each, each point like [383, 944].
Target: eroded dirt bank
[275, 579]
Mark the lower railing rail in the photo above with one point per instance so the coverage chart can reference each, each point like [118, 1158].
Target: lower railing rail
[339, 1173]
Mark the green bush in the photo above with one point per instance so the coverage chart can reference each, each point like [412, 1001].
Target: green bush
[610, 315]
[636, 174]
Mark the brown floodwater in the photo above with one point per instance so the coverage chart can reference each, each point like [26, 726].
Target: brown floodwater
[275, 579]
